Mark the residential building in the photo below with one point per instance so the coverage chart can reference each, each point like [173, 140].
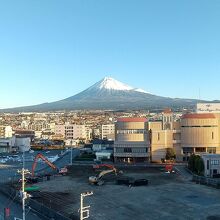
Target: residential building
[7, 144]
[211, 165]
[72, 131]
[108, 131]
[100, 145]
[104, 155]
[131, 140]
[75, 132]
[39, 126]
[6, 131]
[60, 130]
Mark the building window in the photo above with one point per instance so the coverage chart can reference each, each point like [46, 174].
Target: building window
[158, 136]
[187, 150]
[207, 164]
[211, 150]
[132, 131]
[212, 135]
[214, 162]
[200, 149]
[127, 150]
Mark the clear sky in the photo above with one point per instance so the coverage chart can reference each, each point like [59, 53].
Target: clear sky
[53, 49]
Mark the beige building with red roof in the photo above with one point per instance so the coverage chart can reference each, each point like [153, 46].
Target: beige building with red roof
[140, 140]
[200, 133]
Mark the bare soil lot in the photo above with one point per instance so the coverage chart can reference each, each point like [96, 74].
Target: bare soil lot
[167, 196]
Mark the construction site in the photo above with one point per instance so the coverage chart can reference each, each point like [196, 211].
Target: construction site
[122, 193]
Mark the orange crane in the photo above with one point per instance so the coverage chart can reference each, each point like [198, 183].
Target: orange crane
[62, 171]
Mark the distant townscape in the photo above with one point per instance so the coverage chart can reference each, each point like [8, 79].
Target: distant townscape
[132, 136]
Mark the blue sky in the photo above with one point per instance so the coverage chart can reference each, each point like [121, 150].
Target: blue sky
[53, 49]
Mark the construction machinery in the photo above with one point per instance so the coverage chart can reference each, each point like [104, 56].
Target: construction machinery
[98, 179]
[98, 166]
[61, 171]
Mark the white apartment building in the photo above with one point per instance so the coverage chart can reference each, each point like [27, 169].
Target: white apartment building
[6, 131]
[108, 131]
[39, 126]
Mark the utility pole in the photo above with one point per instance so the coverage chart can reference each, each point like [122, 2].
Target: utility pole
[23, 193]
[86, 208]
[71, 156]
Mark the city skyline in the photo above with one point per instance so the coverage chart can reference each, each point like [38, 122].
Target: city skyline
[51, 50]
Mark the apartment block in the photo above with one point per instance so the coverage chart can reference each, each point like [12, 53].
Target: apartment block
[72, 131]
[6, 131]
[108, 131]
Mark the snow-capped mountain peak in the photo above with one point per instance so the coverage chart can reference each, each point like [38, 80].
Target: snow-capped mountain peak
[109, 83]
[112, 84]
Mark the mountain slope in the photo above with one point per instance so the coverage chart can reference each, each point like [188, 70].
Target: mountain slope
[110, 94]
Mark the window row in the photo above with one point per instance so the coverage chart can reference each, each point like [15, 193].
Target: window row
[131, 150]
[131, 131]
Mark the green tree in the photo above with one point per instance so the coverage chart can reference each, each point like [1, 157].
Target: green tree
[196, 164]
[170, 154]
[191, 162]
[199, 165]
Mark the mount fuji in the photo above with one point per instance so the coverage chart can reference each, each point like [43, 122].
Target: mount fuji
[110, 94]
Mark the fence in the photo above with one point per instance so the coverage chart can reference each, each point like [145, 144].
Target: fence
[37, 207]
[206, 181]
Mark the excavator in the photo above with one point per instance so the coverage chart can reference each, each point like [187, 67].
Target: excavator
[98, 179]
[61, 171]
[98, 166]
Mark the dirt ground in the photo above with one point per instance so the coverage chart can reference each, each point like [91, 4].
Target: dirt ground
[167, 196]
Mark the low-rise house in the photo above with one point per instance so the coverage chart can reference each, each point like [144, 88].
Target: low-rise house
[211, 165]
[100, 145]
[104, 155]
